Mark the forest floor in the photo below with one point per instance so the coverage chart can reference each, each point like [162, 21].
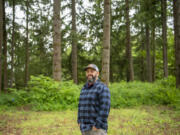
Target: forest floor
[144, 120]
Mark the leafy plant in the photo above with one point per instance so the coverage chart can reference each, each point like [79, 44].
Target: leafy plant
[43, 93]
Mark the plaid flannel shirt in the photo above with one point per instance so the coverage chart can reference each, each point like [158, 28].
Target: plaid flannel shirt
[94, 106]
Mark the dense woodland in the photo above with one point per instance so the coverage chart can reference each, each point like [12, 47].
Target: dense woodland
[128, 40]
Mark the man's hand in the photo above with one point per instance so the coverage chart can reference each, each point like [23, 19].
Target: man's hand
[94, 128]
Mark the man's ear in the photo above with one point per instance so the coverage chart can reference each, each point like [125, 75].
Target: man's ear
[97, 73]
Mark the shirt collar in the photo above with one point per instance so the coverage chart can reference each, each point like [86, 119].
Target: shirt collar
[94, 84]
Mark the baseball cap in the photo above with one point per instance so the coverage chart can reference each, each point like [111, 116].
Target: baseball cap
[92, 66]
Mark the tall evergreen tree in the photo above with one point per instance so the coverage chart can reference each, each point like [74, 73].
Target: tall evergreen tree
[147, 10]
[106, 43]
[176, 9]
[164, 36]
[148, 55]
[13, 46]
[154, 53]
[130, 70]
[56, 41]
[1, 40]
[153, 39]
[27, 44]
[74, 43]
[142, 63]
[5, 75]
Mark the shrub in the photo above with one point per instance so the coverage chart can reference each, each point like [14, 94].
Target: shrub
[43, 93]
[7, 99]
[136, 93]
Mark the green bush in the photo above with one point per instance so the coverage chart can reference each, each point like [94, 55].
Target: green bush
[136, 93]
[7, 99]
[43, 93]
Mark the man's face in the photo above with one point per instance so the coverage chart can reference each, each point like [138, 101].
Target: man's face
[91, 75]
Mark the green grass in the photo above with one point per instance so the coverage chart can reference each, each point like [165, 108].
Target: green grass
[144, 120]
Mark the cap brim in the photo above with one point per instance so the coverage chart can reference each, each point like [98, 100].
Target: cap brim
[88, 68]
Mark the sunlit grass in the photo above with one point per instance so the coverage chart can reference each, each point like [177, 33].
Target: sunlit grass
[131, 121]
[143, 121]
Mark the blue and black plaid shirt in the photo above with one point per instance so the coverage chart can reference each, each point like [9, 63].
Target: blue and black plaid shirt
[94, 106]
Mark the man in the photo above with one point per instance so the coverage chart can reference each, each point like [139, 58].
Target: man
[94, 104]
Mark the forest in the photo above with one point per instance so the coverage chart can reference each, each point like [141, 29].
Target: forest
[46, 44]
[137, 44]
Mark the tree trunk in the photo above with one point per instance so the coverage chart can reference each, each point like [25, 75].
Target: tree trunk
[27, 45]
[153, 35]
[1, 40]
[130, 70]
[164, 37]
[143, 73]
[13, 46]
[111, 68]
[106, 43]
[154, 54]
[175, 24]
[56, 41]
[74, 43]
[148, 55]
[176, 9]
[5, 81]
[142, 61]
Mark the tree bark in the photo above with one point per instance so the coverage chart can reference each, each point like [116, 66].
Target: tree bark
[175, 24]
[111, 68]
[106, 43]
[176, 9]
[1, 40]
[5, 81]
[164, 37]
[153, 44]
[154, 54]
[130, 70]
[148, 55]
[57, 41]
[12, 47]
[142, 61]
[143, 73]
[27, 45]
[74, 43]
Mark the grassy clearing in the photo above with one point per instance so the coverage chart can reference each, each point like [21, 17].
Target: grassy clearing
[131, 121]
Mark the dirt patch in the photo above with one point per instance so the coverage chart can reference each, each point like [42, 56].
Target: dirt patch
[8, 124]
[24, 108]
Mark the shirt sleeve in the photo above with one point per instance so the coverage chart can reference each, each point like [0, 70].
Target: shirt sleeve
[78, 120]
[78, 113]
[104, 101]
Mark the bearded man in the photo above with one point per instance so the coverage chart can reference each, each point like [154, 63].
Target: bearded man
[94, 104]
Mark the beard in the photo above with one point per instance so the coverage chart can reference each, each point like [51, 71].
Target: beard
[91, 78]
